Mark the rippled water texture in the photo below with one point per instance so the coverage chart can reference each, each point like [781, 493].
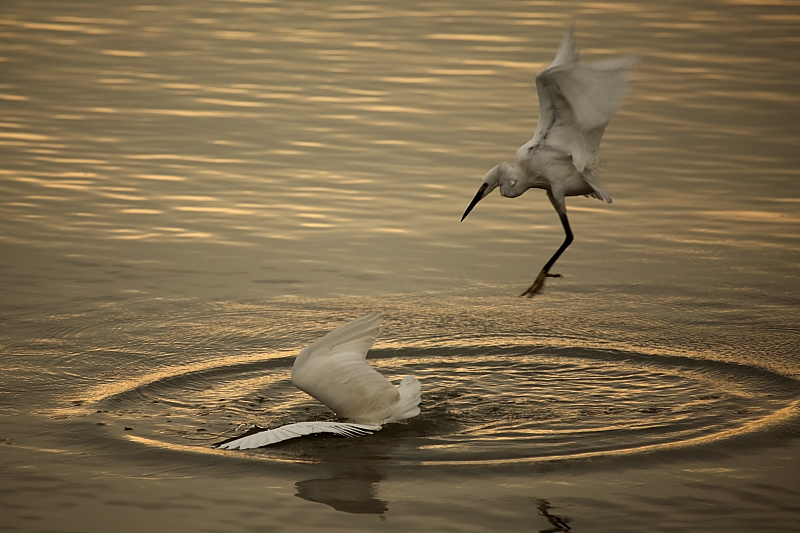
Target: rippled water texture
[507, 406]
[192, 192]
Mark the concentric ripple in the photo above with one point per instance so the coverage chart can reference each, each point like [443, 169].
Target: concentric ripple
[480, 405]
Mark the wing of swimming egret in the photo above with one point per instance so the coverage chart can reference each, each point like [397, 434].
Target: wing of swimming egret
[334, 370]
[290, 431]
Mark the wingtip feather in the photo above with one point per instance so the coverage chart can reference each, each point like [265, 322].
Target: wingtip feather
[299, 429]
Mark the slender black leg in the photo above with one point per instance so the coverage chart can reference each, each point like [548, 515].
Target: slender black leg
[538, 284]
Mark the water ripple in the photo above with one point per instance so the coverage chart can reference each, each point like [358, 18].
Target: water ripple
[480, 405]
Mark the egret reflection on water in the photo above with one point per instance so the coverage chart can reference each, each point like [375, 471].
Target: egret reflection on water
[576, 103]
[334, 370]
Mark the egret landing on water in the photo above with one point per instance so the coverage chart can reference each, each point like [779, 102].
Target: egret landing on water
[576, 102]
[334, 370]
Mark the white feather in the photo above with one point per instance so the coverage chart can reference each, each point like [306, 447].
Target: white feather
[334, 370]
[290, 431]
[577, 101]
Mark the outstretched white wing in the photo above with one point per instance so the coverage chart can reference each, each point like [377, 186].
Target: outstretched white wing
[334, 370]
[290, 431]
[577, 100]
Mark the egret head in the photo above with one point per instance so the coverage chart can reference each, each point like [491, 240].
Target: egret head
[497, 176]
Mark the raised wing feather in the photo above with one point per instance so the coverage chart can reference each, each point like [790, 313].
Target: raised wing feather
[548, 94]
[577, 100]
[352, 389]
[352, 340]
[334, 371]
[290, 431]
[568, 51]
[594, 90]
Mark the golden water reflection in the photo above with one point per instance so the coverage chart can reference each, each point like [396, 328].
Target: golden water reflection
[360, 130]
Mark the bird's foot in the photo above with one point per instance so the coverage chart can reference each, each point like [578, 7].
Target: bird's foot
[538, 284]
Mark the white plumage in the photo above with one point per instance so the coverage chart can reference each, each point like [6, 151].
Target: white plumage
[576, 103]
[290, 431]
[334, 370]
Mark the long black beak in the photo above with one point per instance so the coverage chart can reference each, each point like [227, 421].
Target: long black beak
[474, 202]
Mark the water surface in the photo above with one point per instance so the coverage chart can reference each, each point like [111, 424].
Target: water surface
[191, 192]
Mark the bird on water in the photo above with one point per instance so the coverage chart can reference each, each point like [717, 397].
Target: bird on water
[334, 370]
[576, 102]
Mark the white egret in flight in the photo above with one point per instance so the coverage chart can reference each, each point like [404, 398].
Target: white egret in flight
[334, 370]
[576, 103]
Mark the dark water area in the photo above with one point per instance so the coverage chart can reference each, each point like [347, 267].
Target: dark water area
[192, 192]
